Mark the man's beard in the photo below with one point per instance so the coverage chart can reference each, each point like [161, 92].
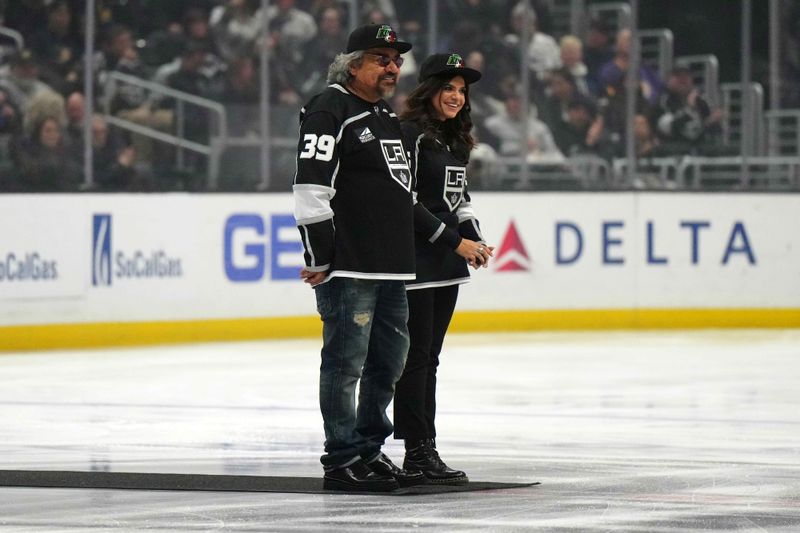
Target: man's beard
[387, 91]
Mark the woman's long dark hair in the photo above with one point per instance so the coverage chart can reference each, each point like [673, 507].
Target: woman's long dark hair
[455, 132]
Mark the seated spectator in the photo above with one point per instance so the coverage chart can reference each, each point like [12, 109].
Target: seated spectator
[119, 54]
[164, 46]
[241, 96]
[560, 92]
[114, 162]
[583, 132]
[43, 162]
[481, 12]
[235, 28]
[290, 31]
[319, 52]
[572, 59]
[129, 102]
[471, 37]
[482, 104]
[58, 48]
[686, 122]
[614, 72]
[597, 51]
[45, 104]
[544, 54]
[22, 84]
[196, 27]
[190, 79]
[507, 126]
[412, 16]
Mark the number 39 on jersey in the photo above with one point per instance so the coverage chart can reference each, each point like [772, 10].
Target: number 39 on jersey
[318, 147]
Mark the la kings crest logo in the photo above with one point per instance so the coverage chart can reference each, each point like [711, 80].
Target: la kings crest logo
[454, 179]
[396, 160]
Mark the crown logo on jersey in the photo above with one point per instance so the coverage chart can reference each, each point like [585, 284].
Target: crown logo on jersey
[386, 33]
[455, 61]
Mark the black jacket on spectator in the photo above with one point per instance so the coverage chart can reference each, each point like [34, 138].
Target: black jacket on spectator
[43, 169]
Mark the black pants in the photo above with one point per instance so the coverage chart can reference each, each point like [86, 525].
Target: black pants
[429, 314]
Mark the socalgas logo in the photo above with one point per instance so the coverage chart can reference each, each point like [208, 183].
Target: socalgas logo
[136, 264]
[29, 266]
[252, 242]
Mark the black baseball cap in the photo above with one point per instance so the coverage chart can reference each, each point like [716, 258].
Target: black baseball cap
[449, 65]
[375, 36]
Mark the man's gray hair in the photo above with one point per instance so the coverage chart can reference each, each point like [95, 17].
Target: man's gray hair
[339, 70]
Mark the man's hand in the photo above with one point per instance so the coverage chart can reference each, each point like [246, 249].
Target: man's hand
[312, 278]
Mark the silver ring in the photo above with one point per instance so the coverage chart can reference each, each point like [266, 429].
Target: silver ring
[480, 248]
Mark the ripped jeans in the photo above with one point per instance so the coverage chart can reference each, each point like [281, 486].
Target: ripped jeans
[365, 337]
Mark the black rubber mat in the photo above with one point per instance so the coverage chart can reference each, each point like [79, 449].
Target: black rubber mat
[222, 483]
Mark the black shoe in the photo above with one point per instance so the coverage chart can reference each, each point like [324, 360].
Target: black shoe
[358, 477]
[422, 455]
[405, 477]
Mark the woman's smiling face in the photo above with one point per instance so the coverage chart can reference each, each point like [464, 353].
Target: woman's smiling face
[450, 98]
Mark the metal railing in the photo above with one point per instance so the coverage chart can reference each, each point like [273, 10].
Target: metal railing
[216, 143]
[762, 173]
[576, 173]
[656, 49]
[783, 132]
[616, 15]
[567, 16]
[735, 125]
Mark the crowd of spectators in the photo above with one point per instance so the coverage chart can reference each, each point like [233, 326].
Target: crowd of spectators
[576, 103]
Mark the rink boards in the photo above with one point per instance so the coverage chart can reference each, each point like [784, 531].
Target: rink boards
[83, 270]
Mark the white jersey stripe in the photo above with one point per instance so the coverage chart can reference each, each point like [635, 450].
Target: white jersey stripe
[432, 284]
[312, 203]
[438, 232]
[349, 121]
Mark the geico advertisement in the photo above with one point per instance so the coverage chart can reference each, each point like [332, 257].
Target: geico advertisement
[40, 245]
[606, 250]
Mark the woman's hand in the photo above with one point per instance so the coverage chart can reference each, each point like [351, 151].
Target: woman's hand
[476, 254]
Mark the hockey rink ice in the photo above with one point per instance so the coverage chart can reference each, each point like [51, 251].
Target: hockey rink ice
[649, 431]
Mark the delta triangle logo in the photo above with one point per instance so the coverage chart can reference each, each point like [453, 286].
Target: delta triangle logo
[512, 256]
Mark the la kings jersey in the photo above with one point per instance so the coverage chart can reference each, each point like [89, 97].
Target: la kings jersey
[443, 213]
[352, 190]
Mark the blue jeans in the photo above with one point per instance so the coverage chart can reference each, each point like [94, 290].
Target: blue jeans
[365, 337]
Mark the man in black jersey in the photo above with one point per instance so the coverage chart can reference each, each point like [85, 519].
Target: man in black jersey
[353, 206]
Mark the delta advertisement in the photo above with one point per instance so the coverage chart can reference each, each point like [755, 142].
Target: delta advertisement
[101, 258]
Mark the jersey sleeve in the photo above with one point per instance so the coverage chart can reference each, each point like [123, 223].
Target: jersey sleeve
[468, 225]
[317, 166]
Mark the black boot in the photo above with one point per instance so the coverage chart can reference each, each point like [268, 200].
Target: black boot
[358, 477]
[422, 455]
[406, 477]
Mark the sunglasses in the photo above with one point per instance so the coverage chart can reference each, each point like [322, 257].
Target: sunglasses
[384, 60]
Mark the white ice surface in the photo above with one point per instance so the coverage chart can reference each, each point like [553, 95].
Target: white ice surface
[662, 431]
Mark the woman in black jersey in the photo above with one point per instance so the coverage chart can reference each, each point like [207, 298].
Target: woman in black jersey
[436, 133]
